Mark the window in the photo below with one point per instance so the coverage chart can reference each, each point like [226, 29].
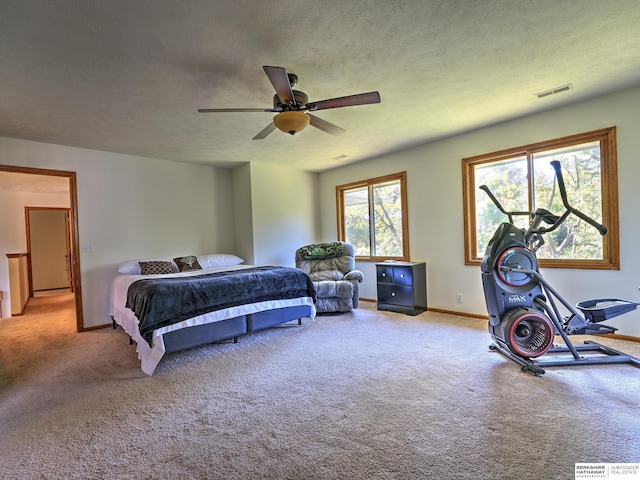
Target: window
[522, 179]
[372, 216]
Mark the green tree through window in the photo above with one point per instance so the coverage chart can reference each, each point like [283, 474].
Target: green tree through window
[372, 217]
[522, 179]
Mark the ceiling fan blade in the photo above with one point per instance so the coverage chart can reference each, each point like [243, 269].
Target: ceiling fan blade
[350, 101]
[280, 81]
[265, 131]
[325, 126]
[219, 110]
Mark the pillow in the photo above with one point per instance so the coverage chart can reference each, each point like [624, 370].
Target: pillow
[132, 267]
[188, 263]
[156, 267]
[219, 260]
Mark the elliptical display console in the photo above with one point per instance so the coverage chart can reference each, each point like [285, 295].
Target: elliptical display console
[524, 318]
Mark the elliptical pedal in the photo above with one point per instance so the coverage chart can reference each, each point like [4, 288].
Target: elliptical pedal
[605, 308]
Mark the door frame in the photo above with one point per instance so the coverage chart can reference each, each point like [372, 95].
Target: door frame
[74, 232]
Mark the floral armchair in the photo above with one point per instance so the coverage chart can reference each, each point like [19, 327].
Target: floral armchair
[331, 267]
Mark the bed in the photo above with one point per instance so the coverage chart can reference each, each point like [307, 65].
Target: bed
[168, 312]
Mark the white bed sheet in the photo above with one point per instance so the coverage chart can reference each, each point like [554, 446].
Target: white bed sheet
[151, 356]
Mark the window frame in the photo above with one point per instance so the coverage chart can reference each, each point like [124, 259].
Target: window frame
[369, 184]
[609, 190]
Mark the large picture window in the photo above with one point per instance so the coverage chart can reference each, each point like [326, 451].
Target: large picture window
[522, 179]
[372, 216]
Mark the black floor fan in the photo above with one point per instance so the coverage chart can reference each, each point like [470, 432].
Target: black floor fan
[524, 318]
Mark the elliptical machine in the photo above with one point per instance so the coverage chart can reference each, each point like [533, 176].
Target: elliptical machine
[523, 314]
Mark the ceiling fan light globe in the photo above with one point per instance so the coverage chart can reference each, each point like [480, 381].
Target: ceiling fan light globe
[291, 122]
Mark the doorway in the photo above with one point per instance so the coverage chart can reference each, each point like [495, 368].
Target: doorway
[73, 236]
[48, 249]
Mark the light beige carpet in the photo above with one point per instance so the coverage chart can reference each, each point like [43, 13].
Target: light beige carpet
[364, 395]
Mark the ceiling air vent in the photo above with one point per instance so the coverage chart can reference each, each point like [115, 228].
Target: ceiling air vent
[555, 90]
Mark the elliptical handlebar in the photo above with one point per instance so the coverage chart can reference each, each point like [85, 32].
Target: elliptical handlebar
[499, 205]
[563, 194]
[543, 215]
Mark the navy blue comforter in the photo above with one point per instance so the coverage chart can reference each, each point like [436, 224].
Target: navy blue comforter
[158, 302]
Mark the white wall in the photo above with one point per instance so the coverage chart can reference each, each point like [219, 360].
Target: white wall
[275, 212]
[133, 207]
[13, 237]
[243, 216]
[435, 204]
[284, 212]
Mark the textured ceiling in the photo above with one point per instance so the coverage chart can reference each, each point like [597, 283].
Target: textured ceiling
[128, 76]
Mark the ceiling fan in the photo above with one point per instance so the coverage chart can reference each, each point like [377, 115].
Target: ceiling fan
[293, 107]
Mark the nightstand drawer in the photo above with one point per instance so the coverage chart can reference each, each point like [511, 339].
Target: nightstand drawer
[403, 275]
[396, 295]
[385, 274]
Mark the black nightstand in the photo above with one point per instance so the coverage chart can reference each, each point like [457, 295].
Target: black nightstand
[402, 287]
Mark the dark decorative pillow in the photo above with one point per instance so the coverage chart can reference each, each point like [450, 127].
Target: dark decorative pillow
[321, 250]
[188, 263]
[156, 268]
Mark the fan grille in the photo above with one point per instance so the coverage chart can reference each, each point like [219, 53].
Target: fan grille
[530, 335]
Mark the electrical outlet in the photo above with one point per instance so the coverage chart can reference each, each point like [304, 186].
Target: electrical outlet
[458, 298]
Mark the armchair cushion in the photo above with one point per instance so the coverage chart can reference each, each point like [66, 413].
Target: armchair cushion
[320, 275]
[328, 289]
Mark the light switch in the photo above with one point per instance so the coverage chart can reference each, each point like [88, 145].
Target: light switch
[87, 248]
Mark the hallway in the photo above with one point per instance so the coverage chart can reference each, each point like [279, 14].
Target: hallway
[29, 340]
